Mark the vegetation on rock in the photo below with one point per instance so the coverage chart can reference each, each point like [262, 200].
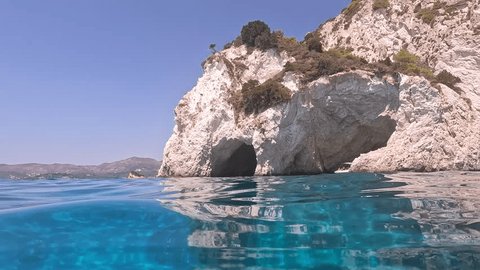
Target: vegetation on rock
[380, 4]
[212, 47]
[410, 64]
[255, 97]
[313, 43]
[312, 62]
[351, 10]
[257, 34]
[313, 65]
[427, 15]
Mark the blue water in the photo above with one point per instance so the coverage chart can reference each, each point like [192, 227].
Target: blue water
[342, 221]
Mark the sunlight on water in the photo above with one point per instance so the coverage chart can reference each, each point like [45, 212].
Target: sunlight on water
[342, 221]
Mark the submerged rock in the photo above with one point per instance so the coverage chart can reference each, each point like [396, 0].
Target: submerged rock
[379, 122]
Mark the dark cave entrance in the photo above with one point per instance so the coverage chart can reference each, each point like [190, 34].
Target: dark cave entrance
[241, 162]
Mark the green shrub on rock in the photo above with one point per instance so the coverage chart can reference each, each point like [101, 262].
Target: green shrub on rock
[265, 41]
[257, 34]
[427, 15]
[404, 56]
[328, 65]
[380, 4]
[313, 43]
[290, 45]
[345, 53]
[255, 97]
[312, 64]
[350, 11]
[410, 64]
[439, 8]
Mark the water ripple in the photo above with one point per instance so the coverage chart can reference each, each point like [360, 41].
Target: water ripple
[344, 221]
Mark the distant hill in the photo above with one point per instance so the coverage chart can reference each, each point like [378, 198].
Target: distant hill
[119, 169]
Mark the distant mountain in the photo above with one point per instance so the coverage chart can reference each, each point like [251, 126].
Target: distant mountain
[119, 169]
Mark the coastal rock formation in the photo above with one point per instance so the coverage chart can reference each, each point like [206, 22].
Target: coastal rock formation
[446, 34]
[309, 134]
[380, 121]
[437, 128]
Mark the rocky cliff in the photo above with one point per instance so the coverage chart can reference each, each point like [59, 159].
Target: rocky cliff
[381, 120]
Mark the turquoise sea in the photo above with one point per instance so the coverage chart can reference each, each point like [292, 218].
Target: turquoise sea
[336, 221]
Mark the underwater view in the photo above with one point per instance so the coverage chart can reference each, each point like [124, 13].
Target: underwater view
[331, 221]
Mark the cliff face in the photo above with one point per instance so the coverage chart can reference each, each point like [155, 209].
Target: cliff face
[446, 34]
[381, 122]
[437, 129]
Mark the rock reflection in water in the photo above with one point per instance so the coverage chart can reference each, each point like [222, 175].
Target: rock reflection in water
[354, 220]
[212, 199]
[446, 205]
[345, 221]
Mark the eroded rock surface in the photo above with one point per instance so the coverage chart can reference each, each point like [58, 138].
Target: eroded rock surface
[381, 123]
[331, 121]
[437, 129]
[451, 41]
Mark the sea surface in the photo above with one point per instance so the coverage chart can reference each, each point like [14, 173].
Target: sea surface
[336, 221]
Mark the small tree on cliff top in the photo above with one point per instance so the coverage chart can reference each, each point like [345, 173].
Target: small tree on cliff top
[212, 47]
[257, 34]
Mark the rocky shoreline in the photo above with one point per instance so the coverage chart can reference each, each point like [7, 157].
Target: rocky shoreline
[145, 167]
[400, 120]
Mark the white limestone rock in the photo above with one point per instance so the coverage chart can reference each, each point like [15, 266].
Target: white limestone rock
[451, 42]
[332, 120]
[382, 124]
[436, 129]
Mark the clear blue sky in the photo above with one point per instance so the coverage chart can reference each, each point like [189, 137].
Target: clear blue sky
[90, 81]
